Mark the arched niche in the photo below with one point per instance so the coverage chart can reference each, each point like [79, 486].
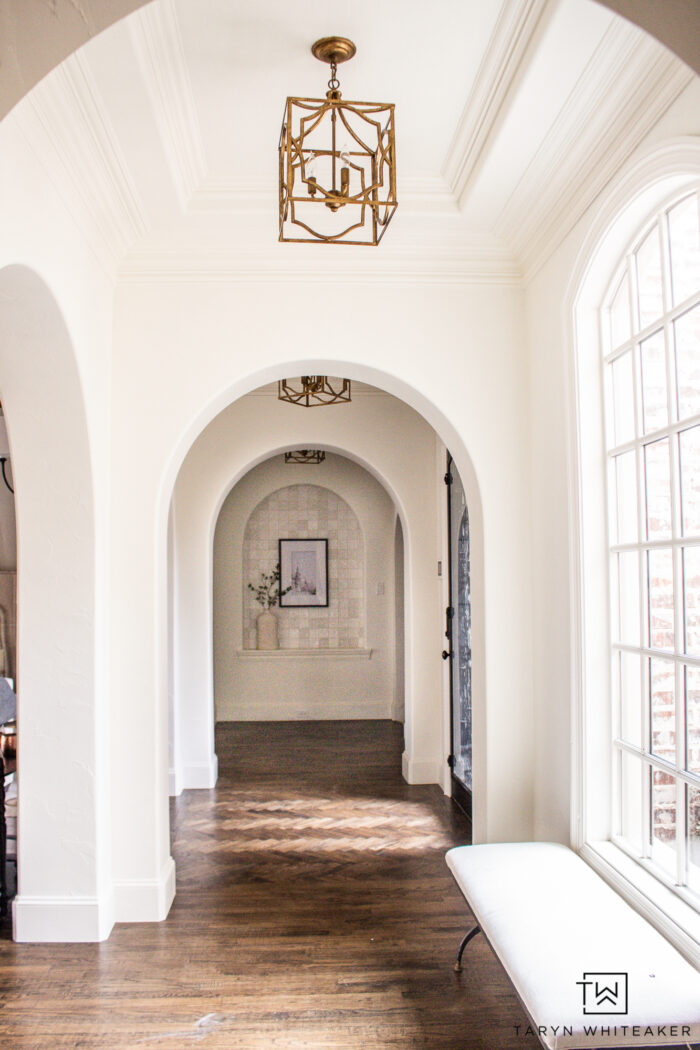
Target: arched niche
[305, 510]
[62, 845]
[348, 667]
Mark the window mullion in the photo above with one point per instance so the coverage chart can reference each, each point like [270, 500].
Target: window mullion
[645, 727]
[677, 554]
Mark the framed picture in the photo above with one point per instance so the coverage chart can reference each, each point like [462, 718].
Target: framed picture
[304, 570]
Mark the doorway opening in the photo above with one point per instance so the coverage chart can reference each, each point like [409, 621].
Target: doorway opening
[387, 667]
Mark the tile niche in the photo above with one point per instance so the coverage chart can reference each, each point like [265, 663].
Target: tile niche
[308, 512]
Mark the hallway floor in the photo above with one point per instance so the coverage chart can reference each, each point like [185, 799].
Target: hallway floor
[314, 909]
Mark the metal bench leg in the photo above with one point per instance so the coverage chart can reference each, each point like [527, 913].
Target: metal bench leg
[465, 941]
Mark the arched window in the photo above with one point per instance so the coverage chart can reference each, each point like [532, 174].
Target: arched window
[650, 338]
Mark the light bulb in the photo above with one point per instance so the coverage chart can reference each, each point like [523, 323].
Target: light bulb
[345, 169]
[310, 172]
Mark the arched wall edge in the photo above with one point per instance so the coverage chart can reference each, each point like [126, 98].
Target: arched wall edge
[64, 849]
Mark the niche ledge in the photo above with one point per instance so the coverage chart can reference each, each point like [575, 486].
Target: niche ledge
[303, 654]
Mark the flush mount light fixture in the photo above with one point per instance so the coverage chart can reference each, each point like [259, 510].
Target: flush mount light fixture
[337, 162]
[305, 455]
[311, 391]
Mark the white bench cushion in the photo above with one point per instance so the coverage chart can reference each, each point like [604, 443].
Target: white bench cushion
[550, 918]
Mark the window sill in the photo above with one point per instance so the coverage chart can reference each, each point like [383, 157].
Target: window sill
[303, 654]
[678, 921]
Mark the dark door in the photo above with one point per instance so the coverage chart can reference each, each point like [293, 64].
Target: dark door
[458, 631]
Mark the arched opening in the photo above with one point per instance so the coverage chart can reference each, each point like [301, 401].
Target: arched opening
[371, 433]
[333, 661]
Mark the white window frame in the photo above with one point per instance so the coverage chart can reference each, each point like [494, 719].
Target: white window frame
[641, 192]
[675, 543]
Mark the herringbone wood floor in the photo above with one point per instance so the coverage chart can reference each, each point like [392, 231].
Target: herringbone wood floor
[314, 909]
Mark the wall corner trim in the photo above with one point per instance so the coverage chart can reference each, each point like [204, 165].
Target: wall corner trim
[200, 775]
[145, 900]
[421, 770]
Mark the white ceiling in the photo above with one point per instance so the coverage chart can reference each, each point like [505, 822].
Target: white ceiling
[509, 114]
[244, 58]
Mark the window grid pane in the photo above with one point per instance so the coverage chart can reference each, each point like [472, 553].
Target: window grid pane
[689, 457]
[654, 393]
[693, 837]
[657, 476]
[692, 718]
[684, 237]
[649, 281]
[652, 390]
[686, 333]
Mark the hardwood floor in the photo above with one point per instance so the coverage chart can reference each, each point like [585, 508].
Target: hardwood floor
[314, 909]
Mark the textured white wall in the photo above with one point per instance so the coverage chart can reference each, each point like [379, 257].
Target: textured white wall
[327, 686]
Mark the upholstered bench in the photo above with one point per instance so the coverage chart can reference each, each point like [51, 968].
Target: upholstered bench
[588, 969]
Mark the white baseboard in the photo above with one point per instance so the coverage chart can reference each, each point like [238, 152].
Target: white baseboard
[145, 900]
[62, 919]
[174, 783]
[200, 774]
[297, 711]
[421, 770]
[196, 775]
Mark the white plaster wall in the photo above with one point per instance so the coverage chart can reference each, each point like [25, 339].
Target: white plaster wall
[277, 688]
[454, 351]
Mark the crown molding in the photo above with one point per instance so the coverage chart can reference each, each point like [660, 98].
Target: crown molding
[432, 265]
[157, 42]
[603, 121]
[507, 48]
[225, 193]
[66, 114]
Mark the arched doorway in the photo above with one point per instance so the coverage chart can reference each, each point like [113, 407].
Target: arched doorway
[197, 499]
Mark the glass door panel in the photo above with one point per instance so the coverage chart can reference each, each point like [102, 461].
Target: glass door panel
[459, 637]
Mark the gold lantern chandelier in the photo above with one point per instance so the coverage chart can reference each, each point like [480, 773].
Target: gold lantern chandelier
[311, 391]
[305, 455]
[337, 162]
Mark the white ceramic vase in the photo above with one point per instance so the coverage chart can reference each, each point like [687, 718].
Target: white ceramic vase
[267, 630]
